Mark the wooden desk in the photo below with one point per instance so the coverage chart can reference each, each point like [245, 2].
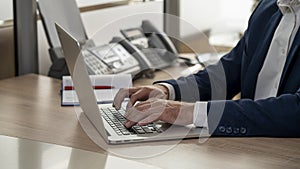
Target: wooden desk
[30, 108]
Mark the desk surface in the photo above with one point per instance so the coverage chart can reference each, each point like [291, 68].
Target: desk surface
[30, 108]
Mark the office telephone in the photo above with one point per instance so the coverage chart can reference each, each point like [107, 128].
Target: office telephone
[156, 46]
[110, 59]
[141, 52]
[117, 57]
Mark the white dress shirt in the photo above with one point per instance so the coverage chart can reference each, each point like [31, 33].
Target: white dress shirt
[269, 77]
[290, 10]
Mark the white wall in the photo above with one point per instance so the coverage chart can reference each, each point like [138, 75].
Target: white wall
[102, 25]
[225, 19]
[221, 15]
[200, 14]
[6, 9]
[108, 22]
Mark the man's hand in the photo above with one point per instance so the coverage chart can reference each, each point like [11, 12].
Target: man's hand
[174, 112]
[140, 94]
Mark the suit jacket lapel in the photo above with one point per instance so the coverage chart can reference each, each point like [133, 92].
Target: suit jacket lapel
[260, 55]
[291, 55]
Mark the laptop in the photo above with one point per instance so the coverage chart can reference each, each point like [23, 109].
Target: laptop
[105, 118]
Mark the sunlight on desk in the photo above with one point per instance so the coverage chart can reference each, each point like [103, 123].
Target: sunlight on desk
[21, 153]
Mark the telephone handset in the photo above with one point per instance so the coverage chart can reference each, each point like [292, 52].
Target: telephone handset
[150, 29]
[146, 67]
[155, 45]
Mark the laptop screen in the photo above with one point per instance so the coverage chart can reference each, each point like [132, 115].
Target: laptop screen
[81, 80]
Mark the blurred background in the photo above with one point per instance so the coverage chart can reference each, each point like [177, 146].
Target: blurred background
[223, 21]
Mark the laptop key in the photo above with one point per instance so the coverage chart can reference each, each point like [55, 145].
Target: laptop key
[158, 129]
[138, 130]
[126, 132]
[137, 127]
[141, 131]
[147, 130]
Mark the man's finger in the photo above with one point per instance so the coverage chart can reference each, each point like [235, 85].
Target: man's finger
[150, 119]
[129, 123]
[140, 95]
[136, 114]
[133, 114]
[134, 98]
[121, 95]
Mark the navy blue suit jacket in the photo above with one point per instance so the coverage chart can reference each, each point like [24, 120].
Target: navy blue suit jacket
[277, 116]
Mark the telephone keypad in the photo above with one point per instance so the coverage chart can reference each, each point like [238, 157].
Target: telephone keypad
[109, 59]
[95, 66]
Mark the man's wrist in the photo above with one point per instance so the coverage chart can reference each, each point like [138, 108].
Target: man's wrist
[170, 90]
[164, 89]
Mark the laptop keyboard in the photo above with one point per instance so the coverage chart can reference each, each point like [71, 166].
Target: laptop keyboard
[116, 120]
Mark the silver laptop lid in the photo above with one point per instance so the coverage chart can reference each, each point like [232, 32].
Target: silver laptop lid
[81, 80]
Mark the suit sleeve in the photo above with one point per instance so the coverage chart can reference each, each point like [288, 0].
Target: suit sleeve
[276, 116]
[221, 81]
[215, 82]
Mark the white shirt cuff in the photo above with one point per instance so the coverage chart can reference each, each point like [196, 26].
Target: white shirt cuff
[200, 114]
[171, 90]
